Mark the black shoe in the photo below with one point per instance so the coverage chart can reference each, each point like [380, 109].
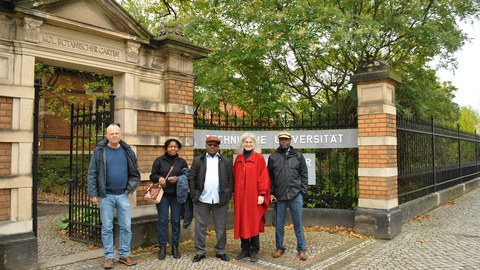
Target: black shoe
[254, 256]
[162, 253]
[243, 254]
[175, 252]
[223, 257]
[198, 258]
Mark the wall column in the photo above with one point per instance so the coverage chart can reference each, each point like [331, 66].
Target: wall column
[18, 244]
[377, 213]
[154, 106]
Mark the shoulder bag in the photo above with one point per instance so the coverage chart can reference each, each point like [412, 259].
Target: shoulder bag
[155, 191]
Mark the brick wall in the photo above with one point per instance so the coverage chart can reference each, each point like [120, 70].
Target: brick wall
[180, 125]
[151, 123]
[54, 131]
[377, 156]
[6, 107]
[377, 125]
[178, 92]
[5, 158]
[380, 188]
[146, 155]
[55, 134]
[169, 125]
[4, 204]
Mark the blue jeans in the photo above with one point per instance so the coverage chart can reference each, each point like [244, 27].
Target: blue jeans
[107, 208]
[295, 206]
[168, 203]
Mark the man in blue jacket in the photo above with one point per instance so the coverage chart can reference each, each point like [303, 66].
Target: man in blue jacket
[288, 184]
[112, 177]
[211, 186]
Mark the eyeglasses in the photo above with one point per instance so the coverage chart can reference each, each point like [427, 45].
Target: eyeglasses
[213, 145]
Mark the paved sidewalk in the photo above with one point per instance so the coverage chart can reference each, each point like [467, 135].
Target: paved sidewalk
[445, 238]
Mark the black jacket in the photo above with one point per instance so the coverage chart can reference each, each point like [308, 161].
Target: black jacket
[196, 178]
[288, 174]
[160, 168]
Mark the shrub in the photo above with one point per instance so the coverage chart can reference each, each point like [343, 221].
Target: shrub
[53, 173]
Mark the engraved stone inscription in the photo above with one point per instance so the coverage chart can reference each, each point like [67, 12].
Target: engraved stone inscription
[80, 45]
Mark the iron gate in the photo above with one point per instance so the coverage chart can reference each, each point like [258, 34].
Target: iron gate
[336, 183]
[87, 128]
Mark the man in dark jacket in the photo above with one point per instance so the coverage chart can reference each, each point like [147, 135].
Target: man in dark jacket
[288, 184]
[112, 177]
[210, 181]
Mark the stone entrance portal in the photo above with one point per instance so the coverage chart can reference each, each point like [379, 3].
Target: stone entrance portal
[152, 81]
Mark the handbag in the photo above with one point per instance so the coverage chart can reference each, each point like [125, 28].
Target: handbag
[155, 191]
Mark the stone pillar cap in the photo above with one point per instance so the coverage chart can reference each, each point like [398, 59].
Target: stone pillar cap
[374, 70]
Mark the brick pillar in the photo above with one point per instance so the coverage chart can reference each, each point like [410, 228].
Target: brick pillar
[18, 244]
[377, 213]
[153, 106]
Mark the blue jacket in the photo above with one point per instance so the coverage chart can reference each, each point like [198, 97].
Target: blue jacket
[183, 197]
[182, 186]
[97, 173]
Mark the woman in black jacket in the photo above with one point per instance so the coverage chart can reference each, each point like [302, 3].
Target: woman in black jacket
[169, 162]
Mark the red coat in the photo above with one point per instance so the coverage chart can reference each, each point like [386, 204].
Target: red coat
[251, 179]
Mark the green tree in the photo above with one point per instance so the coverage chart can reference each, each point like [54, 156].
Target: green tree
[58, 96]
[469, 120]
[299, 54]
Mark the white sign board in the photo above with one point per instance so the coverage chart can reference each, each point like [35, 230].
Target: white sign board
[332, 138]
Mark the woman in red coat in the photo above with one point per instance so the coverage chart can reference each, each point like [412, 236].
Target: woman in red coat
[252, 186]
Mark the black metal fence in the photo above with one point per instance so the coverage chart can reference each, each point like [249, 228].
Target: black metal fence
[433, 157]
[336, 184]
[88, 127]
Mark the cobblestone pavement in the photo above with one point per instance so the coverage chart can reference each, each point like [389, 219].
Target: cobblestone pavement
[446, 238]
[53, 243]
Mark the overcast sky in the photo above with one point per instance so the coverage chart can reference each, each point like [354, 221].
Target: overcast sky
[467, 77]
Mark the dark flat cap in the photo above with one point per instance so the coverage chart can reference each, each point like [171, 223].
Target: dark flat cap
[213, 139]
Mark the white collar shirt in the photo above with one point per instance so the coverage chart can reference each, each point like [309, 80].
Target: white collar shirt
[210, 193]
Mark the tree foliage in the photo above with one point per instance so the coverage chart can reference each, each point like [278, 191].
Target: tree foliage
[299, 55]
[469, 120]
[56, 88]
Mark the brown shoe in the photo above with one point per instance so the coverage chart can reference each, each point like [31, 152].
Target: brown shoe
[108, 264]
[127, 261]
[302, 255]
[278, 253]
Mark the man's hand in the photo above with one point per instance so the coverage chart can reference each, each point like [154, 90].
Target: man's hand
[273, 198]
[94, 200]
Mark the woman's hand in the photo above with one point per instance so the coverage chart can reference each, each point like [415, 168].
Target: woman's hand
[162, 182]
[261, 199]
[172, 179]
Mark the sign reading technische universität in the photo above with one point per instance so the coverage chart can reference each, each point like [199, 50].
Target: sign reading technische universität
[338, 138]
[333, 138]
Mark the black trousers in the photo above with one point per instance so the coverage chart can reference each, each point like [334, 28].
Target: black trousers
[252, 244]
